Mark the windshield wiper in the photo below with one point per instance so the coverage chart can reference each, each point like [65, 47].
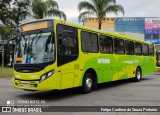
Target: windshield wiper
[25, 44]
[49, 41]
[30, 46]
[38, 37]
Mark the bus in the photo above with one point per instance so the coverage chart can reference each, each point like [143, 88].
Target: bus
[55, 54]
[158, 58]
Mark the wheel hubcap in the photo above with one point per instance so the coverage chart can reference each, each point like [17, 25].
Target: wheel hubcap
[138, 75]
[88, 82]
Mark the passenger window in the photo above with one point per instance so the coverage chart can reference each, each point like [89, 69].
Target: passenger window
[119, 46]
[106, 44]
[129, 45]
[67, 45]
[89, 42]
[138, 49]
[151, 50]
[145, 50]
[67, 38]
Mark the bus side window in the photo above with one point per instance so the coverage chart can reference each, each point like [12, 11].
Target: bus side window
[67, 38]
[67, 46]
[89, 42]
[129, 45]
[145, 49]
[138, 48]
[106, 44]
[119, 46]
[151, 50]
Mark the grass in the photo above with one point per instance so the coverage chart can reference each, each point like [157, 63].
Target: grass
[6, 72]
[158, 69]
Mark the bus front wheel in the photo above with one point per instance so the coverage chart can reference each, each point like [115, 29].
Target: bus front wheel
[87, 84]
[138, 75]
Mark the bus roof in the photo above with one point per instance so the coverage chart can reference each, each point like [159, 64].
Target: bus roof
[113, 34]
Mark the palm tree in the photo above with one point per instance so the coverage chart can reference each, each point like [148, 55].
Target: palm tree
[14, 12]
[19, 12]
[42, 9]
[99, 8]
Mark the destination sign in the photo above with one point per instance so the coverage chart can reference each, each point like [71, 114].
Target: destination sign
[36, 26]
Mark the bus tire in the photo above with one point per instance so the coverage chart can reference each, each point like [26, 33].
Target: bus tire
[87, 84]
[138, 75]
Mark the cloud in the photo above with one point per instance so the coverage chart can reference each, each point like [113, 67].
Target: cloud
[140, 8]
[133, 8]
[70, 8]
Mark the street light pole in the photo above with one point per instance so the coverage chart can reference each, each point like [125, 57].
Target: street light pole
[83, 20]
[2, 52]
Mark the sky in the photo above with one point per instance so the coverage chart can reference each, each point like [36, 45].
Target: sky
[133, 8]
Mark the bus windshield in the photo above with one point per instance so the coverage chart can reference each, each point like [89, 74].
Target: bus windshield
[35, 48]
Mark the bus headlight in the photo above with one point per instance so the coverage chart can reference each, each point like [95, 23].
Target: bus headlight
[46, 75]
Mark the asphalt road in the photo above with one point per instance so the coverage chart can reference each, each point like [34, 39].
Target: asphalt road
[121, 93]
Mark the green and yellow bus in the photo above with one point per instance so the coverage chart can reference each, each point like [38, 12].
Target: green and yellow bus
[54, 54]
[158, 58]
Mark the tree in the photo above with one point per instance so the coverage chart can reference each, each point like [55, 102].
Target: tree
[19, 11]
[42, 9]
[5, 32]
[99, 8]
[12, 13]
[4, 11]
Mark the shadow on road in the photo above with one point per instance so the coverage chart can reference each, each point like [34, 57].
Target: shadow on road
[115, 84]
[50, 95]
[69, 93]
[157, 74]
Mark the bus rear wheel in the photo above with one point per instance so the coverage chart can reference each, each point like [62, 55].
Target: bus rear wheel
[87, 84]
[138, 75]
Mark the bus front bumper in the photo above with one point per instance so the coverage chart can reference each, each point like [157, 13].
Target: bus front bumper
[48, 84]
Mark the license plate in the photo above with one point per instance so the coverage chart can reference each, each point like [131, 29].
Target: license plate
[25, 85]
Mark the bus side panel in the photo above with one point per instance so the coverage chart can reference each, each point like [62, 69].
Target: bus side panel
[137, 61]
[68, 72]
[92, 63]
[124, 66]
[148, 65]
[67, 80]
[108, 66]
[109, 69]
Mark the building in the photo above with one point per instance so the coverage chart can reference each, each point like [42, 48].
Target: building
[133, 26]
[108, 24]
[152, 30]
[146, 28]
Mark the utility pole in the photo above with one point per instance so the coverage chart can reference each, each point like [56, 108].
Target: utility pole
[2, 51]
